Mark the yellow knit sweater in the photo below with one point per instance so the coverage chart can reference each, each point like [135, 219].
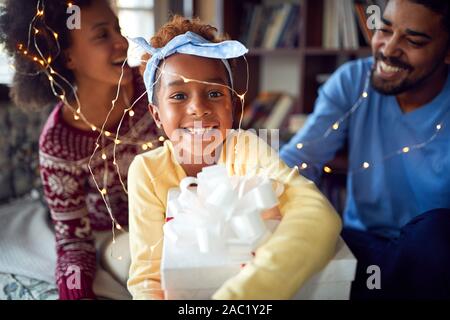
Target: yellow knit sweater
[302, 244]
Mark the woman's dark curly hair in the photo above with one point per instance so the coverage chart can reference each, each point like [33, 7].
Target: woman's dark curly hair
[34, 91]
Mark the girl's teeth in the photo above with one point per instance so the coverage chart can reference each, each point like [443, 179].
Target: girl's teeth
[198, 130]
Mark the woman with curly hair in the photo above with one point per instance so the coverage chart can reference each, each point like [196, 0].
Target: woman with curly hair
[90, 59]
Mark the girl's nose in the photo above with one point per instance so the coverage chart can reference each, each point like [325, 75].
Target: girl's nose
[198, 107]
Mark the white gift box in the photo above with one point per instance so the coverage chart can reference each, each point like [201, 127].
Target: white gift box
[185, 277]
[334, 281]
[205, 245]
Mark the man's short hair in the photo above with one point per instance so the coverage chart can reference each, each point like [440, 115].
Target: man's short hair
[441, 7]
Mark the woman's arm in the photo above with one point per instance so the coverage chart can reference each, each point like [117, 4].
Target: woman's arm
[76, 256]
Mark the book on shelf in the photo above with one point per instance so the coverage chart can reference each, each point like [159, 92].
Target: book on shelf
[362, 17]
[279, 112]
[268, 111]
[345, 23]
[339, 25]
[349, 27]
[270, 26]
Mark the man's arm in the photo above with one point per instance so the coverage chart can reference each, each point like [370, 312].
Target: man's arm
[317, 142]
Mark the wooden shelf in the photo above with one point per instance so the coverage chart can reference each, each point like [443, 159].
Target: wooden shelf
[319, 51]
[273, 52]
[310, 58]
[310, 51]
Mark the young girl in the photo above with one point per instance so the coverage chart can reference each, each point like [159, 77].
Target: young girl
[188, 81]
[90, 58]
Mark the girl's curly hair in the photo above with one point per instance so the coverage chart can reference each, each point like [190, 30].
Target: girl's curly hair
[180, 25]
[34, 91]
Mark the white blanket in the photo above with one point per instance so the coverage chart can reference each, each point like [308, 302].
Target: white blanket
[27, 241]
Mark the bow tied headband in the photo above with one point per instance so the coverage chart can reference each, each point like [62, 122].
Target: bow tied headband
[192, 44]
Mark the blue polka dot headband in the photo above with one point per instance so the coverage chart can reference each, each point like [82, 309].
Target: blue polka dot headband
[188, 43]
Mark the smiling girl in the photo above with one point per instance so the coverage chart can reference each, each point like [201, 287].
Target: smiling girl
[189, 82]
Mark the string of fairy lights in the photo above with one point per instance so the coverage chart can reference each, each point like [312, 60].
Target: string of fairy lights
[162, 71]
[366, 164]
[37, 28]
[44, 63]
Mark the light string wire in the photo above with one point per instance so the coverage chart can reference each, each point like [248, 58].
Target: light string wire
[103, 191]
[45, 63]
[337, 125]
[154, 178]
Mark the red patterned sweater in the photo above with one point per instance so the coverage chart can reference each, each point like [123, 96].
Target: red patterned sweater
[75, 204]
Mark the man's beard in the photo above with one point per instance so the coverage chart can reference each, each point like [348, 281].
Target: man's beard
[390, 89]
[385, 88]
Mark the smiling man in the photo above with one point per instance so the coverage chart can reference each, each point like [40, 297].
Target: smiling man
[398, 132]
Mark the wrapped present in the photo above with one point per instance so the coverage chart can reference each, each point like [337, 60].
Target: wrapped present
[334, 281]
[213, 229]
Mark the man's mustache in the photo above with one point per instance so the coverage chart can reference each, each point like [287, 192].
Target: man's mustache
[393, 61]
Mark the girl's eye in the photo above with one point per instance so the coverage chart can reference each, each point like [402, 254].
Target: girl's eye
[178, 96]
[215, 94]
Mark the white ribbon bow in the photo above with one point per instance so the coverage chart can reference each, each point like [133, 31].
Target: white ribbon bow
[222, 214]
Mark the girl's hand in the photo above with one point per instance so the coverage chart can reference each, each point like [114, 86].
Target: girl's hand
[272, 214]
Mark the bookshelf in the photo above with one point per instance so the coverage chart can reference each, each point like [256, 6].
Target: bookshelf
[310, 58]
